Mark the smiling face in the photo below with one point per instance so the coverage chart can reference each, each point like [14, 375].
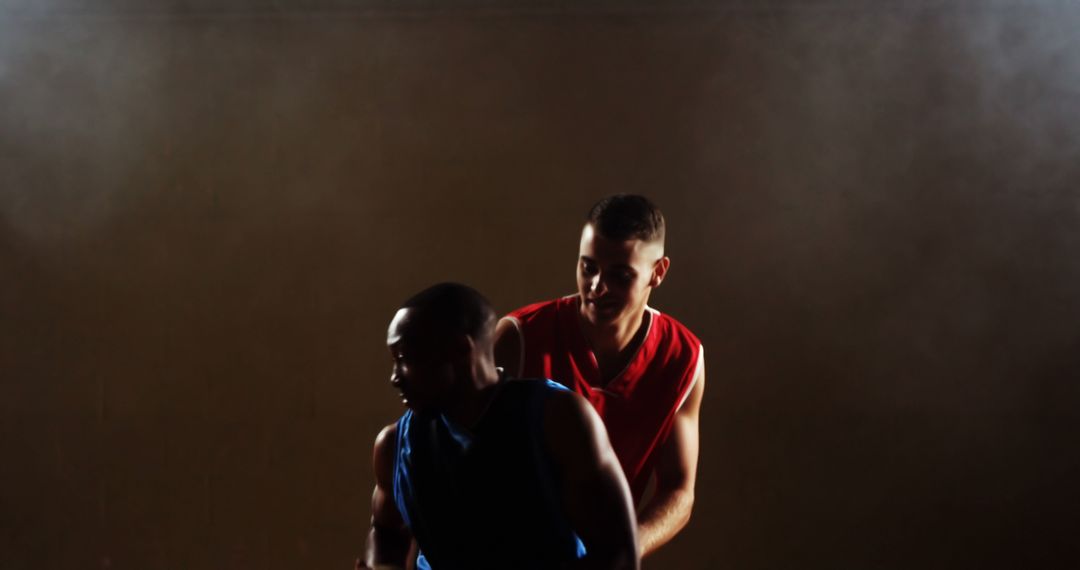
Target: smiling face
[616, 277]
[424, 371]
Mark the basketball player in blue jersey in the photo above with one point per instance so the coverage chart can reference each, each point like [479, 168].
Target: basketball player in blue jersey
[483, 471]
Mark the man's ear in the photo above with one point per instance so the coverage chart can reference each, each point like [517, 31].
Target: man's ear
[659, 271]
[464, 345]
[459, 353]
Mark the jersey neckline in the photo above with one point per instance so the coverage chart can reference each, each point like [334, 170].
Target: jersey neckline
[610, 386]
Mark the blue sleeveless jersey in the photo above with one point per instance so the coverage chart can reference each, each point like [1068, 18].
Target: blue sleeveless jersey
[489, 499]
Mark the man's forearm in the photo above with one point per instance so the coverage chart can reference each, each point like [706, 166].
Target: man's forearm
[665, 515]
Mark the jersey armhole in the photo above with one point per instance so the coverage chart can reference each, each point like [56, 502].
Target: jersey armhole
[699, 362]
[400, 446]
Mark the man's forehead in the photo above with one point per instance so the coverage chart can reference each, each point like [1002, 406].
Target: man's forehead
[596, 246]
[413, 327]
[402, 326]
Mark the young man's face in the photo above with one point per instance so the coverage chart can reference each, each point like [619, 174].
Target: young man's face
[423, 370]
[616, 277]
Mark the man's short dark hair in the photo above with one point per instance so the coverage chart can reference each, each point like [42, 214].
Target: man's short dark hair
[626, 217]
[455, 308]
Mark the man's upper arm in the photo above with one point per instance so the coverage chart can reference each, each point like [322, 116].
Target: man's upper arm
[677, 462]
[596, 497]
[509, 346]
[389, 539]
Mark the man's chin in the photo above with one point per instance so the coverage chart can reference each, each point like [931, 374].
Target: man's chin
[601, 316]
[418, 406]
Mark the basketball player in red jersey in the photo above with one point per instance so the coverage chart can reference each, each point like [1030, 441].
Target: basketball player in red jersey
[642, 370]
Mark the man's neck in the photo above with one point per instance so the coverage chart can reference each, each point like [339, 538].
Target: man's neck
[614, 338]
[470, 406]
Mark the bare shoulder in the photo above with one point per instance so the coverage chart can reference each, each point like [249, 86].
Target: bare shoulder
[387, 438]
[508, 345]
[383, 454]
[508, 325]
[574, 430]
[566, 406]
[508, 331]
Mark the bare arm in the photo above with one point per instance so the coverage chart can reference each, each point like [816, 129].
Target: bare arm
[595, 497]
[676, 469]
[508, 347]
[389, 539]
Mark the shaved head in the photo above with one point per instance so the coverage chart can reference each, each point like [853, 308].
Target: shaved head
[625, 217]
[441, 342]
[454, 309]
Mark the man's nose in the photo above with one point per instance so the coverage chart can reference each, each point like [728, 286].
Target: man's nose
[597, 285]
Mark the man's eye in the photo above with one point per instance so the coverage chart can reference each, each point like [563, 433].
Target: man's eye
[588, 268]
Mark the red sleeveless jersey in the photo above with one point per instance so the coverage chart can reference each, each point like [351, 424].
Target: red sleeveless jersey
[638, 405]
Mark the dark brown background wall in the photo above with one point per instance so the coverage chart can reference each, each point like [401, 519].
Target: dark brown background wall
[209, 211]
